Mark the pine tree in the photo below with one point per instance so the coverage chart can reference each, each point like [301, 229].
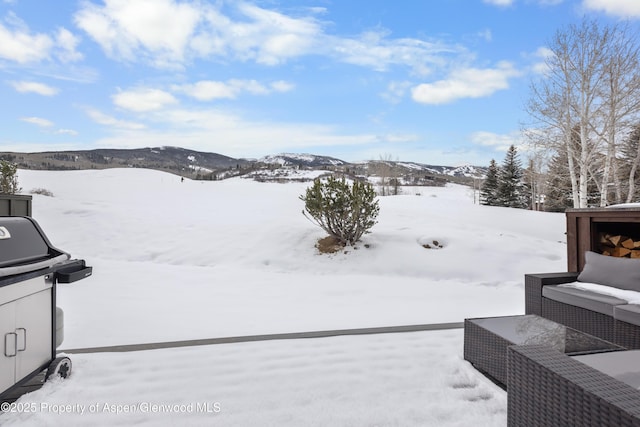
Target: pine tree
[8, 178]
[489, 191]
[345, 211]
[511, 190]
[558, 196]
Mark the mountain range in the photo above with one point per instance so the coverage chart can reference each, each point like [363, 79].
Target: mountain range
[202, 165]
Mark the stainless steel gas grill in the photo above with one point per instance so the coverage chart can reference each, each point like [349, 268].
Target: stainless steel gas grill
[30, 323]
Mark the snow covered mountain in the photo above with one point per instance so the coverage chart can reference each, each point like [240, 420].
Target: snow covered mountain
[306, 160]
[467, 171]
[202, 165]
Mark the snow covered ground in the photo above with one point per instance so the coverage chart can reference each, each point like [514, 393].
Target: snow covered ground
[188, 260]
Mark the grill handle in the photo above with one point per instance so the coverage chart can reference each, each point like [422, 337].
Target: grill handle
[19, 269]
[21, 337]
[15, 344]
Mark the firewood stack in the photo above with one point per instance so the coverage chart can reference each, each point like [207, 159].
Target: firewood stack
[619, 245]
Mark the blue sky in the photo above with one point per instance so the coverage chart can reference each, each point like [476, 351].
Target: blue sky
[438, 81]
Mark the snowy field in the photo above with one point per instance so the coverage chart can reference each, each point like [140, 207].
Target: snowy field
[190, 260]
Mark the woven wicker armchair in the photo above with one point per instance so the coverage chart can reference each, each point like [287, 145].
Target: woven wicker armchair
[549, 388]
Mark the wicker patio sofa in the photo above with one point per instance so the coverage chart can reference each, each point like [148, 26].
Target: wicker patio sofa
[618, 322]
[549, 388]
[605, 316]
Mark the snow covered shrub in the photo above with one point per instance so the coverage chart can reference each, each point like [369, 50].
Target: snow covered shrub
[344, 211]
[42, 192]
[8, 178]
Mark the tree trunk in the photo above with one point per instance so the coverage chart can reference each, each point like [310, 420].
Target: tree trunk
[606, 174]
[584, 166]
[575, 192]
[632, 177]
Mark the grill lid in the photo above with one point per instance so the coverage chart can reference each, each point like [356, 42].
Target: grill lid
[22, 241]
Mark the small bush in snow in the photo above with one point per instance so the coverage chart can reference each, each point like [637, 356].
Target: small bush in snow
[42, 192]
[344, 211]
[8, 178]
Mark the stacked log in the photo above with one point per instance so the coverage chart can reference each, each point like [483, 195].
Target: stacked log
[619, 245]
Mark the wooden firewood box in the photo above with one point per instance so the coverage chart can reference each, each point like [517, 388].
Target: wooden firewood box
[609, 231]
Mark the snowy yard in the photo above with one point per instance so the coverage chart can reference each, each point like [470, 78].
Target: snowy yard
[177, 261]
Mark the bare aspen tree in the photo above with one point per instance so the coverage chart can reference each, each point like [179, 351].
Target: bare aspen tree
[536, 178]
[584, 99]
[388, 175]
[537, 156]
[632, 153]
[549, 106]
[620, 94]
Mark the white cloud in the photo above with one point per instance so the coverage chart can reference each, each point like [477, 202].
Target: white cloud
[275, 36]
[540, 56]
[19, 45]
[375, 49]
[44, 123]
[207, 90]
[34, 87]
[234, 135]
[486, 34]
[143, 99]
[176, 33]
[67, 44]
[127, 28]
[106, 120]
[251, 86]
[465, 83]
[505, 3]
[66, 132]
[499, 2]
[399, 138]
[167, 33]
[396, 91]
[282, 86]
[496, 141]
[37, 121]
[621, 8]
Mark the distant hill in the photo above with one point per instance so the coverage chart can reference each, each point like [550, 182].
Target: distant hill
[202, 165]
[173, 159]
[306, 160]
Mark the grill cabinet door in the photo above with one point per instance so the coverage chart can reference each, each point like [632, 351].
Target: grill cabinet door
[33, 329]
[25, 329]
[7, 345]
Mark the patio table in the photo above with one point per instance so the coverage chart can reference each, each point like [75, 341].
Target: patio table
[486, 341]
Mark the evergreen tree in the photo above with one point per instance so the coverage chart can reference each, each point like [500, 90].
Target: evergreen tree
[345, 211]
[511, 189]
[558, 196]
[489, 190]
[8, 178]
